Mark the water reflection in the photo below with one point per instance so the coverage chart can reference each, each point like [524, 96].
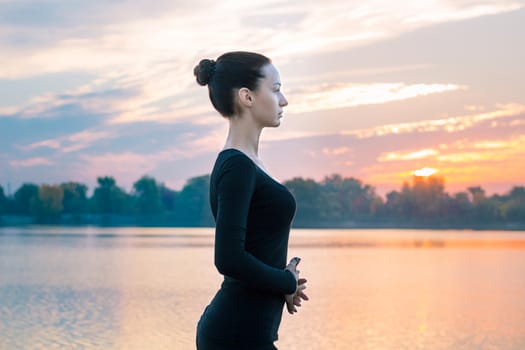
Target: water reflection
[301, 238]
[52, 317]
[136, 288]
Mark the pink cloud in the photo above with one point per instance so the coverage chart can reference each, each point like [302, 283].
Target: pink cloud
[30, 162]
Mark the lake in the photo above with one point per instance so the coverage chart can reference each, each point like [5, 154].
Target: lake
[145, 288]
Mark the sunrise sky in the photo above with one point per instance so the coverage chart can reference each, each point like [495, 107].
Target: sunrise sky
[376, 89]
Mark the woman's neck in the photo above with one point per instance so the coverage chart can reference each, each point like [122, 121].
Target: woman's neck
[244, 135]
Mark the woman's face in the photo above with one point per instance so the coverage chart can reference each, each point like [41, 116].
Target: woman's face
[267, 108]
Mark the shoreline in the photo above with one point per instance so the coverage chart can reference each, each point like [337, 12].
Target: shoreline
[160, 221]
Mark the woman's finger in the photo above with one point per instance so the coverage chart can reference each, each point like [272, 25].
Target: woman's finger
[289, 307]
[302, 295]
[295, 261]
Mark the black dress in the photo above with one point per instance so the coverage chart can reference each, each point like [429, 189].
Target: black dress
[253, 215]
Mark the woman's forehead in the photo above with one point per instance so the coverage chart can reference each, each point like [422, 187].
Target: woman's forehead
[271, 74]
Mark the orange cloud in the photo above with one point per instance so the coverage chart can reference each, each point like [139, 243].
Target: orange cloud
[453, 124]
[461, 163]
[393, 156]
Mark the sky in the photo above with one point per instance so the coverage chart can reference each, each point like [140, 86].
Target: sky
[376, 89]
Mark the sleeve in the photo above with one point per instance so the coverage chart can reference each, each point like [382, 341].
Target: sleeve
[235, 187]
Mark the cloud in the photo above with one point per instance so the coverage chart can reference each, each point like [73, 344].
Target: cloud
[336, 151]
[124, 103]
[74, 104]
[271, 136]
[133, 37]
[135, 49]
[136, 107]
[395, 156]
[196, 114]
[339, 25]
[452, 124]
[460, 162]
[30, 162]
[297, 81]
[5, 111]
[463, 151]
[335, 96]
[70, 143]
[462, 10]
[485, 151]
[46, 143]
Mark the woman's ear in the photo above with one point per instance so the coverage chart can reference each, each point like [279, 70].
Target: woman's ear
[245, 97]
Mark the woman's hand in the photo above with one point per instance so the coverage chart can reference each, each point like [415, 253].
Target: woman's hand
[292, 267]
[294, 300]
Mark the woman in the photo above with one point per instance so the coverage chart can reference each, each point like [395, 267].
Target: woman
[252, 211]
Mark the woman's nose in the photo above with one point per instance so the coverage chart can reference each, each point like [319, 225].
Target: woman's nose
[284, 101]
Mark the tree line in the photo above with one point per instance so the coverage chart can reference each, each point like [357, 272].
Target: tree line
[335, 201]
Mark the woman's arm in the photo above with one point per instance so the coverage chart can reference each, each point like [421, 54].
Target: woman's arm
[235, 187]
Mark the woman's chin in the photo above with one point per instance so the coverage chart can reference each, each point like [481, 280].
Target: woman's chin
[275, 124]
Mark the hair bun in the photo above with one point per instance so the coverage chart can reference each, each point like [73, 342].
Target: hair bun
[204, 71]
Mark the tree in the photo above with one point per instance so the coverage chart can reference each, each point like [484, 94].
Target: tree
[347, 198]
[47, 206]
[335, 203]
[168, 197]
[147, 196]
[477, 195]
[423, 202]
[108, 198]
[23, 198]
[307, 194]
[430, 197]
[75, 199]
[3, 201]
[192, 207]
[515, 206]
[484, 210]
[459, 208]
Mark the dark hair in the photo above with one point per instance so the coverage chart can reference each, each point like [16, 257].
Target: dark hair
[232, 70]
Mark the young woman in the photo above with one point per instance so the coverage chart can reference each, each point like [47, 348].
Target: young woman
[253, 212]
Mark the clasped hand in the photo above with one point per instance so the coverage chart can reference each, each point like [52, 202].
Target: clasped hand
[294, 300]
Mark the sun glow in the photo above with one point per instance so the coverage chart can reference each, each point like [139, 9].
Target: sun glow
[425, 172]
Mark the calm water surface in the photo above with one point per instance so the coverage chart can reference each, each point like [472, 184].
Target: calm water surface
[143, 288]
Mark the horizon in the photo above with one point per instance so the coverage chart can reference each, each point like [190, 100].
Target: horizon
[376, 91]
[90, 189]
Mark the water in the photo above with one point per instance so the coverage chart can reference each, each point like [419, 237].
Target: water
[142, 288]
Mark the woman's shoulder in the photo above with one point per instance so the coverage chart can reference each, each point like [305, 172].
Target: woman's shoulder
[234, 170]
[232, 158]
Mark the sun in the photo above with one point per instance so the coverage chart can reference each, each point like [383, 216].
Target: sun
[425, 172]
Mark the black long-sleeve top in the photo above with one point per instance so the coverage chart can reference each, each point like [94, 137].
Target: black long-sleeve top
[253, 213]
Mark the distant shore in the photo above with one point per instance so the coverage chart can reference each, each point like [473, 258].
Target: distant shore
[153, 221]
[334, 202]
